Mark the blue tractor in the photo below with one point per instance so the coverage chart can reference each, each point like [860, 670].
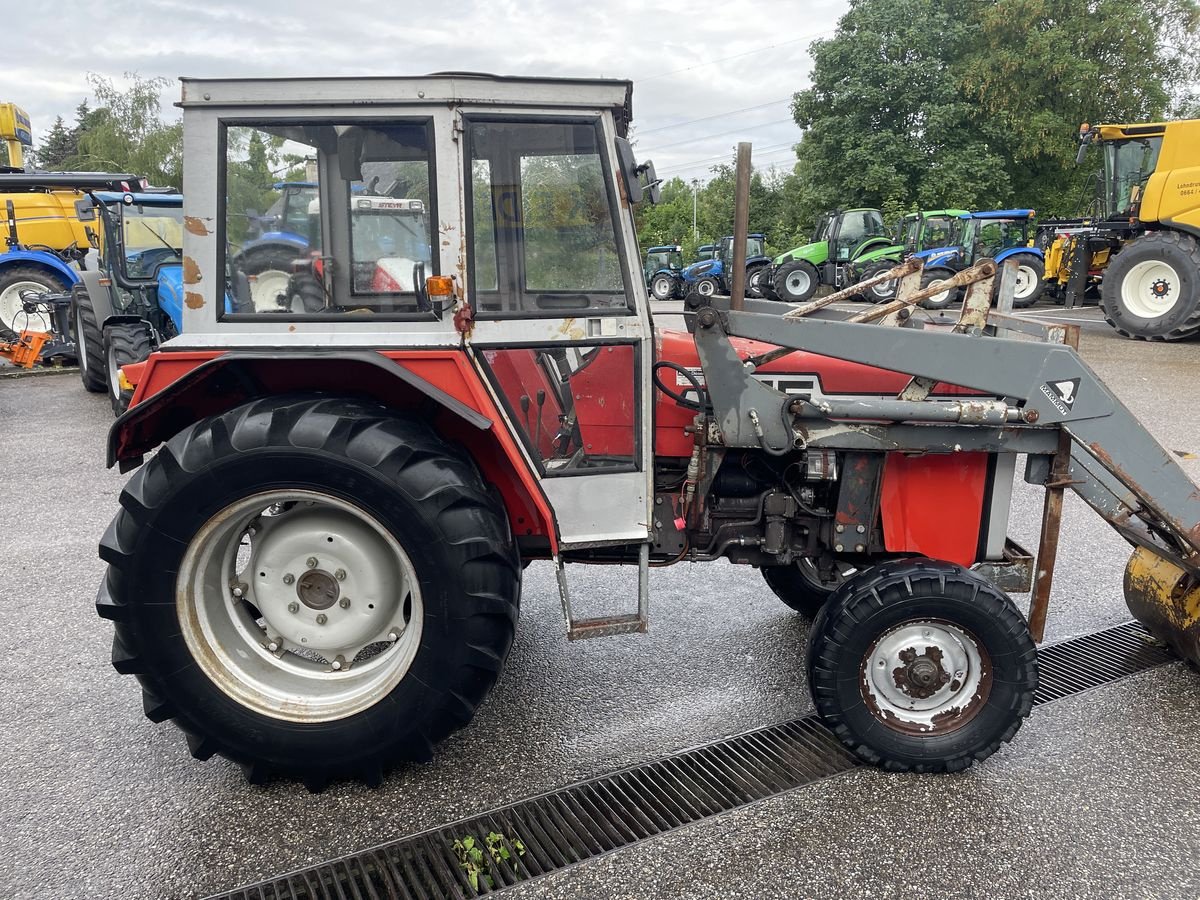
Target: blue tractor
[661, 268]
[998, 234]
[133, 301]
[712, 276]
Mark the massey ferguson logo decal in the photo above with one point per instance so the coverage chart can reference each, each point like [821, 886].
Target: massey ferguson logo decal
[1061, 393]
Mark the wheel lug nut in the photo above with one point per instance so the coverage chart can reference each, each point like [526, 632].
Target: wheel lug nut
[338, 664]
[344, 603]
[340, 574]
[273, 646]
[238, 592]
[393, 635]
[293, 607]
[311, 562]
[322, 618]
[289, 578]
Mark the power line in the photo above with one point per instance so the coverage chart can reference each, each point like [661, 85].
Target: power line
[716, 116]
[709, 62]
[682, 171]
[758, 151]
[716, 134]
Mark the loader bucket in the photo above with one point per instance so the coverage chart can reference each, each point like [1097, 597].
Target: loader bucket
[1165, 599]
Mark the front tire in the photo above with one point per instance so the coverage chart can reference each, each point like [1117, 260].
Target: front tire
[124, 344]
[801, 586]
[885, 291]
[89, 340]
[708, 287]
[662, 287]
[919, 665]
[796, 281]
[945, 298]
[1030, 274]
[1151, 289]
[288, 510]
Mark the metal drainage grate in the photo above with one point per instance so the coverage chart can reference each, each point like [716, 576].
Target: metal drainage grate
[609, 812]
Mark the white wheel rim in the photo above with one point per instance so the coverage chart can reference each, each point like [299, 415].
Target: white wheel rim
[14, 317]
[114, 371]
[266, 288]
[1150, 289]
[340, 611]
[705, 289]
[661, 287]
[1027, 280]
[884, 290]
[797, 281]
[925, 676]
[943, 297]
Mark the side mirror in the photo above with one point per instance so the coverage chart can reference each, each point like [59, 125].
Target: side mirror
[1083, 147]
[85, 210]
[641, 183]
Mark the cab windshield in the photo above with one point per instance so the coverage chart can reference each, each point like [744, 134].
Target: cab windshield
[150, 237]
[1127, 166]
[388, 240]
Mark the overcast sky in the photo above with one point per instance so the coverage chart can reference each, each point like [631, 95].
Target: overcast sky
[733, 65]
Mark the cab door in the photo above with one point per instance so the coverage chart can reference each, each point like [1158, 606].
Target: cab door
[562, 332]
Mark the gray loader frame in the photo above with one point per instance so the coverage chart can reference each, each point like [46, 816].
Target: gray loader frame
[1036, 397]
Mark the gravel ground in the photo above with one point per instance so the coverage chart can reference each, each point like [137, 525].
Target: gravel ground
[96, 801]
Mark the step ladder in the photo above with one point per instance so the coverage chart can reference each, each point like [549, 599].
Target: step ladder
[607, 626]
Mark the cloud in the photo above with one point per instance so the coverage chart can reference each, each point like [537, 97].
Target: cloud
[719, 62]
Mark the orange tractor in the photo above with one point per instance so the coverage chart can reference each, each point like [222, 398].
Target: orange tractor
[317, 573]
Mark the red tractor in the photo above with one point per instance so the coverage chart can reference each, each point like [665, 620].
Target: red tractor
[317, 573]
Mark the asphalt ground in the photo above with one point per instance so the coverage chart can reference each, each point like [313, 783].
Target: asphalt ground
[1093, 797]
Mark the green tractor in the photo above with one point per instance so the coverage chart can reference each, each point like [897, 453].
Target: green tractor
[917, 231]
[840, 238]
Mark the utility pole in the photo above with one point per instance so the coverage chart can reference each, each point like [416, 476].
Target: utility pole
[695, 189]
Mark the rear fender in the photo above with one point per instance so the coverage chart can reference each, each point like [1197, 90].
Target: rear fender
[177, 388]
[1018, 251]
[37, 259]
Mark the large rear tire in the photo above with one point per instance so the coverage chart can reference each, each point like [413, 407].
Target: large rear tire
[754, 285]
[268, 270]
[662, 287]
[124, 344]
[315, 588]
[919, 665]
[89, 340]
[796, 281]
[1151, 289]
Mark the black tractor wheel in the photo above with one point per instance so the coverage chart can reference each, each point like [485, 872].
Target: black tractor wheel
[124, 343]
[707, 287]
[801, 585]
[754, 286]
[1151, 289]
[946, 297]
[315, 588]
[919, 665]
[15, 280]
[796, 281]
[89, 341]
[885, 290]
[305, 294]
[766, 283]
[1030, 274]
[268, 270]
[662, 286]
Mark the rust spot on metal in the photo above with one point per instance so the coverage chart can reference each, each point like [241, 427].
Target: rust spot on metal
[191, 271]
[193, 300]
[195, 225]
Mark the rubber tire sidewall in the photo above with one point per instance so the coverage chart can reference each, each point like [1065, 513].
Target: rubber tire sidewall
[790, 585]
[863, 609]
[93, 368]
[877, 268]
[1028, 260]
[1182, 252]
[927, 278]
[342, 745]
[780, 281]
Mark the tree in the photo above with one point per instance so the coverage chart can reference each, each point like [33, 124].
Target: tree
[935, 103]
[58, 149]
[126, 133]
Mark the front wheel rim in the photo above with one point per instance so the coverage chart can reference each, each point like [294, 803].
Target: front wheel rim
[943, 297]
[299, 606]
[1027, 280]
[925, 677]
[705, 289]
[1150, 289]
[661, 288]
[13, 315]
[798, 282]
[81, 347]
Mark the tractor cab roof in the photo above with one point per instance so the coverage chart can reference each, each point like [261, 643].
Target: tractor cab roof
[141, 198]
[437, 89]
[666, 248]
